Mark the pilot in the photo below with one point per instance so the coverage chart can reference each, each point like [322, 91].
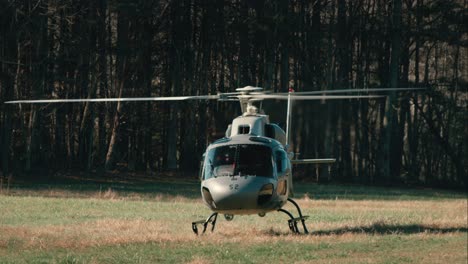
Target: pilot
[223, 160]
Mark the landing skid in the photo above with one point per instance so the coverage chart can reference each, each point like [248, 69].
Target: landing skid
[212, 219]
[292, 222]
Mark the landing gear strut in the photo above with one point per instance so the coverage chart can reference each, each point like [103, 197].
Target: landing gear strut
[211, 219]
[292, 222]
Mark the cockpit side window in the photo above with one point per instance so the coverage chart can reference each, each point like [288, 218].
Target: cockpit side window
[243, 129]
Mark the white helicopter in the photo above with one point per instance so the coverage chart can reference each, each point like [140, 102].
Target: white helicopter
[249, 170]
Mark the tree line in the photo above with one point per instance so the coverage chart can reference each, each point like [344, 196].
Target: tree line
[131, 48]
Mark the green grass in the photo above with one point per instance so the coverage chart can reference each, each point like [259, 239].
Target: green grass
[390, 249]
[150, 223]
[190, 189]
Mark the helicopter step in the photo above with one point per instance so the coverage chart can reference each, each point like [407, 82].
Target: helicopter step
[292, 221]
[211, 219]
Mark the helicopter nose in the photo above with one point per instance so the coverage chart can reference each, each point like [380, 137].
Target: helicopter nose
[240, 193]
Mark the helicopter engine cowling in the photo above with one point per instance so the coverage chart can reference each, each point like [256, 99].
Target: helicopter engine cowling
[257, 125]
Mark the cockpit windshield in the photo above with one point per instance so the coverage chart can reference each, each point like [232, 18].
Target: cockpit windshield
[242, 159]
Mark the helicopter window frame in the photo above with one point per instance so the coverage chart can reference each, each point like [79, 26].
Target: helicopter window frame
[201, 172]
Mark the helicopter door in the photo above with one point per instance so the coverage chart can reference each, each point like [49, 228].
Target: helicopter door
[282, 169]
[281, 162]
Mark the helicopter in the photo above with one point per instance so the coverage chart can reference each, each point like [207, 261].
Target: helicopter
[249, 170]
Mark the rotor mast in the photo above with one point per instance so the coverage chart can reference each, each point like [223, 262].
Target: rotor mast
[245, 98]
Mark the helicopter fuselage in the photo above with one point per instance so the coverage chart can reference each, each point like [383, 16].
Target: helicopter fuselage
[247, 172]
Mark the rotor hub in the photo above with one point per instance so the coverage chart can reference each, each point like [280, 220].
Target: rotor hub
[248, 89]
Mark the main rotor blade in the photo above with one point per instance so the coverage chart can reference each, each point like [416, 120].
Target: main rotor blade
[249, 89]
[308, 97]
[360, 90]
[134, 99]
[313, 161]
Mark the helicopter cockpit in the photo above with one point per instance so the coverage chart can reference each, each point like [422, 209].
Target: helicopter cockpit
[239, 160]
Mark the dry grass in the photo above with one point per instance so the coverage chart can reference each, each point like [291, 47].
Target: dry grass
[107, 224]
[368, 218]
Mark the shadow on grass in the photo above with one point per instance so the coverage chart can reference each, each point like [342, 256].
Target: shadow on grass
[362, 192]
[380, 229]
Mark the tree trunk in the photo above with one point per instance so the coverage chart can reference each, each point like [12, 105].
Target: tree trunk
[120, 81]
[343, 57]
[109, 164]
[388, 129]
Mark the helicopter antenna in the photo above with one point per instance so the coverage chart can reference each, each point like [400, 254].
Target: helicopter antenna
[288, 116]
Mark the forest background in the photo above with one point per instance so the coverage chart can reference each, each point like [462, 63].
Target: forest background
[124, 48]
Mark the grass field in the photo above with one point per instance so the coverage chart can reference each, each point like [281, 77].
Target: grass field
[150, 222]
